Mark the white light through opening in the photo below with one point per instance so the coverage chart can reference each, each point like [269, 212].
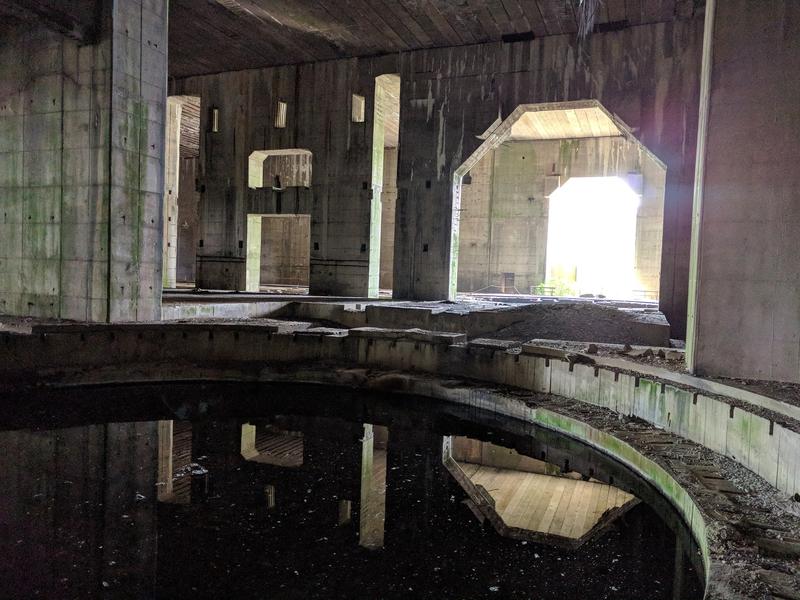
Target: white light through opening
[591, 237]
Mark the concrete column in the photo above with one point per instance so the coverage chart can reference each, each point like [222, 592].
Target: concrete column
[171, 192]
[744, 317]
[248, 447]
[81, 167]
[372, 508]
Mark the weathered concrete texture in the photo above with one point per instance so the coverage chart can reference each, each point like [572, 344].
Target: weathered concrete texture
[188, 221]
[285, 249]
[562, 320]
[647, 75]
[747, 311]
[504, 209]
[172, 181]
[81, 168]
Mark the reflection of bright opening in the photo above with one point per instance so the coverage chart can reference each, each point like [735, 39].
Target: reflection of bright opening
[591, 239]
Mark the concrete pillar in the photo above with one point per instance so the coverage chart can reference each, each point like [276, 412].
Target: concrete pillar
[248, 446]
[745, 278]
[372, 508]
[171, 192]
[81, 167]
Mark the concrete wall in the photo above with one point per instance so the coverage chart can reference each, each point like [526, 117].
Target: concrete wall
[747, 298]
[319, 119]
[504, 210]
[81, 168]
[474, 255]
[648, 75]
[285, 249]
[188, 220]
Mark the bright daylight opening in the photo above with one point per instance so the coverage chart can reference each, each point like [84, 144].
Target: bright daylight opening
[591, 238]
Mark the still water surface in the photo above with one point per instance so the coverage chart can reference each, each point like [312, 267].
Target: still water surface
[231, 491]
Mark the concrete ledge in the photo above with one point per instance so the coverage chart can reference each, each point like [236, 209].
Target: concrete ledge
[765, 441]
[417, 335]
[175, 311]
[472, 322]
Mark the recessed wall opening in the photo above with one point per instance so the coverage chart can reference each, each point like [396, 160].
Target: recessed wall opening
[386, 135]
[561, 200]
[279, 221]
[279, 247]
[181, 196]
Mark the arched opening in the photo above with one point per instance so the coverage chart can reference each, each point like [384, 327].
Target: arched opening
[561, 200]
[279, 221]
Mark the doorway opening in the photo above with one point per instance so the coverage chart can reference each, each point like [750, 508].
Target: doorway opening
[561, 200]
[278, 253]
[279, 221]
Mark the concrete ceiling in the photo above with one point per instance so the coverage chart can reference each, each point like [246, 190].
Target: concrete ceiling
[391, 87]
[78, 19]
[190, 126]
[208, 36]
[564, 123]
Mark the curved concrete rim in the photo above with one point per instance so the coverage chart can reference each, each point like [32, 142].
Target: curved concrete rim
[422, 363]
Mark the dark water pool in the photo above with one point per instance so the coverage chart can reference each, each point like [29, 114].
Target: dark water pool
[233, 491]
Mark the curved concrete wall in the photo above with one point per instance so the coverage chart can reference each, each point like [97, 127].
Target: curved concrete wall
[765, 443]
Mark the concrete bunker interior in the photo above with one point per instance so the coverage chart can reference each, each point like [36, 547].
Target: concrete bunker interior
[455, 297]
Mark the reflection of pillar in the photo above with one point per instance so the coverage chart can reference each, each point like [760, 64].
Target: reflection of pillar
[82, 501]
[373, 492]
[248, 445]
[165, 469]
[220, 445]
[129, 528]
[678, 582]
[333, 456]
[417, 484]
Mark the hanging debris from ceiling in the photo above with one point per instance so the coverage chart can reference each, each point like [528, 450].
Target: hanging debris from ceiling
[586, 15]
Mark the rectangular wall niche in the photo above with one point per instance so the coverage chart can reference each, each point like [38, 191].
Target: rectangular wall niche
[280, 115]
[359, 108]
